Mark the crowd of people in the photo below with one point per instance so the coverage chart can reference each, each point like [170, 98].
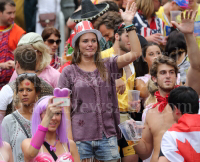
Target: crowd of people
[114, 46]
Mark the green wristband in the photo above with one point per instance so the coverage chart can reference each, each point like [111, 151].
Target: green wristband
[128, 26]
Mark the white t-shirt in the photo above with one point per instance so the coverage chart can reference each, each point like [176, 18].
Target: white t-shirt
[6, 97]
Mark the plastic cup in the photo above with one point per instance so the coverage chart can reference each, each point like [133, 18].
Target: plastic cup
[175, 16]
[128, 131]
[133, 95]
[139, 125]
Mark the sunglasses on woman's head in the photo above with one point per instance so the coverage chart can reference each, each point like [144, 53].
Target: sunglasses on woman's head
[27, 74]
[51, 41]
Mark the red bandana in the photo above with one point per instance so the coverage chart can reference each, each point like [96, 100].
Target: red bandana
[162, 101]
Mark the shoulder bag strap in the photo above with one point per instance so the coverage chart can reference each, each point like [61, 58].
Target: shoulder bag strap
[21, 125]
[51, 152]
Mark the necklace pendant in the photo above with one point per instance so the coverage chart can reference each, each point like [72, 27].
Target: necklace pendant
[52, 148]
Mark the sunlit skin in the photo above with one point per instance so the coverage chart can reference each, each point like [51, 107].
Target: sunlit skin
[53, 46]
[8, 15]
[26, 92]
[55, 121]
[88, 44]
[152, 53]
[108, 34]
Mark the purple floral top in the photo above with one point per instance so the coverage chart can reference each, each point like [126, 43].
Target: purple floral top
[94, 104]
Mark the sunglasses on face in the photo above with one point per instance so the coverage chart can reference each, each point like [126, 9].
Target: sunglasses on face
[51, 41]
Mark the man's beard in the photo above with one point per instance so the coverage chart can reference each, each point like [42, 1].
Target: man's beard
[167, 90]
[122, 47]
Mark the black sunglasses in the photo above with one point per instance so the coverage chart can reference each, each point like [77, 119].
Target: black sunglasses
[51, 41]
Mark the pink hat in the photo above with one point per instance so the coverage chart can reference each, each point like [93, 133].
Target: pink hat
[82, 28]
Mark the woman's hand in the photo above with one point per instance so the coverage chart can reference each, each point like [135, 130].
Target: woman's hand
[129, 13]
[52, 108]
[156, 38]
[120, 86]
[134, 106]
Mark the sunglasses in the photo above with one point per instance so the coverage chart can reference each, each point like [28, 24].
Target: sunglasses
[51, 41]
[27, 74]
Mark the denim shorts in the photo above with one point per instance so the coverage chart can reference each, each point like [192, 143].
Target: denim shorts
[104, 149]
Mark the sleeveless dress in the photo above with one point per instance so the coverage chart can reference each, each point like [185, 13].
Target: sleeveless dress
[42, 156]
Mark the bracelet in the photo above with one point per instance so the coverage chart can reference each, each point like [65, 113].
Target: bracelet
[131, 28]
[128, 26]
[44, 129]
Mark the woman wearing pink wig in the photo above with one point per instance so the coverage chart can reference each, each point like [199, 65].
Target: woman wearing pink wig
[49, 137]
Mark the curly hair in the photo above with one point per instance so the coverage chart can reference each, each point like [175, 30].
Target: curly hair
[110, 19]
[162, 60]
[32, 78]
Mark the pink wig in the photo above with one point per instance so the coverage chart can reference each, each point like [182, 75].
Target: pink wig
[41, 106]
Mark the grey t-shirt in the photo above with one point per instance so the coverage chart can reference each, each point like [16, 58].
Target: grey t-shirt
[13, 133]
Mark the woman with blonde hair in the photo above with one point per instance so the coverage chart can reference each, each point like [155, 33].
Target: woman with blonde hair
[146, 22]
[43, 68]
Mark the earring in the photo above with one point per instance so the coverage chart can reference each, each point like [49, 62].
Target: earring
[36, 99]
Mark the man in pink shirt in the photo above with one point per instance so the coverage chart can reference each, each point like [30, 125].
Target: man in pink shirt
[43, 68]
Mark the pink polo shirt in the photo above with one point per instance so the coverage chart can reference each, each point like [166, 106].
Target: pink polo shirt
[49, 74]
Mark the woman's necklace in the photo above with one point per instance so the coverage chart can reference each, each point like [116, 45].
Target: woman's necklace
[53, 147]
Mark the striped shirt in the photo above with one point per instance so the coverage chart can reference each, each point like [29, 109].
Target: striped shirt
[144, 29]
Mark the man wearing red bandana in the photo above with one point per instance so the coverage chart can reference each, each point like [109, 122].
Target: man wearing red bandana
[159, 118]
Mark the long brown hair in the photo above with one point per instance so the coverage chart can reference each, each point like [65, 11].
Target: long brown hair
[76, 58]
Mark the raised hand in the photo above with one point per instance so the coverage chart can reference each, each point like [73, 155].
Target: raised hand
[53, 108]
[156, 38]
[187, 22]
[129, 13]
